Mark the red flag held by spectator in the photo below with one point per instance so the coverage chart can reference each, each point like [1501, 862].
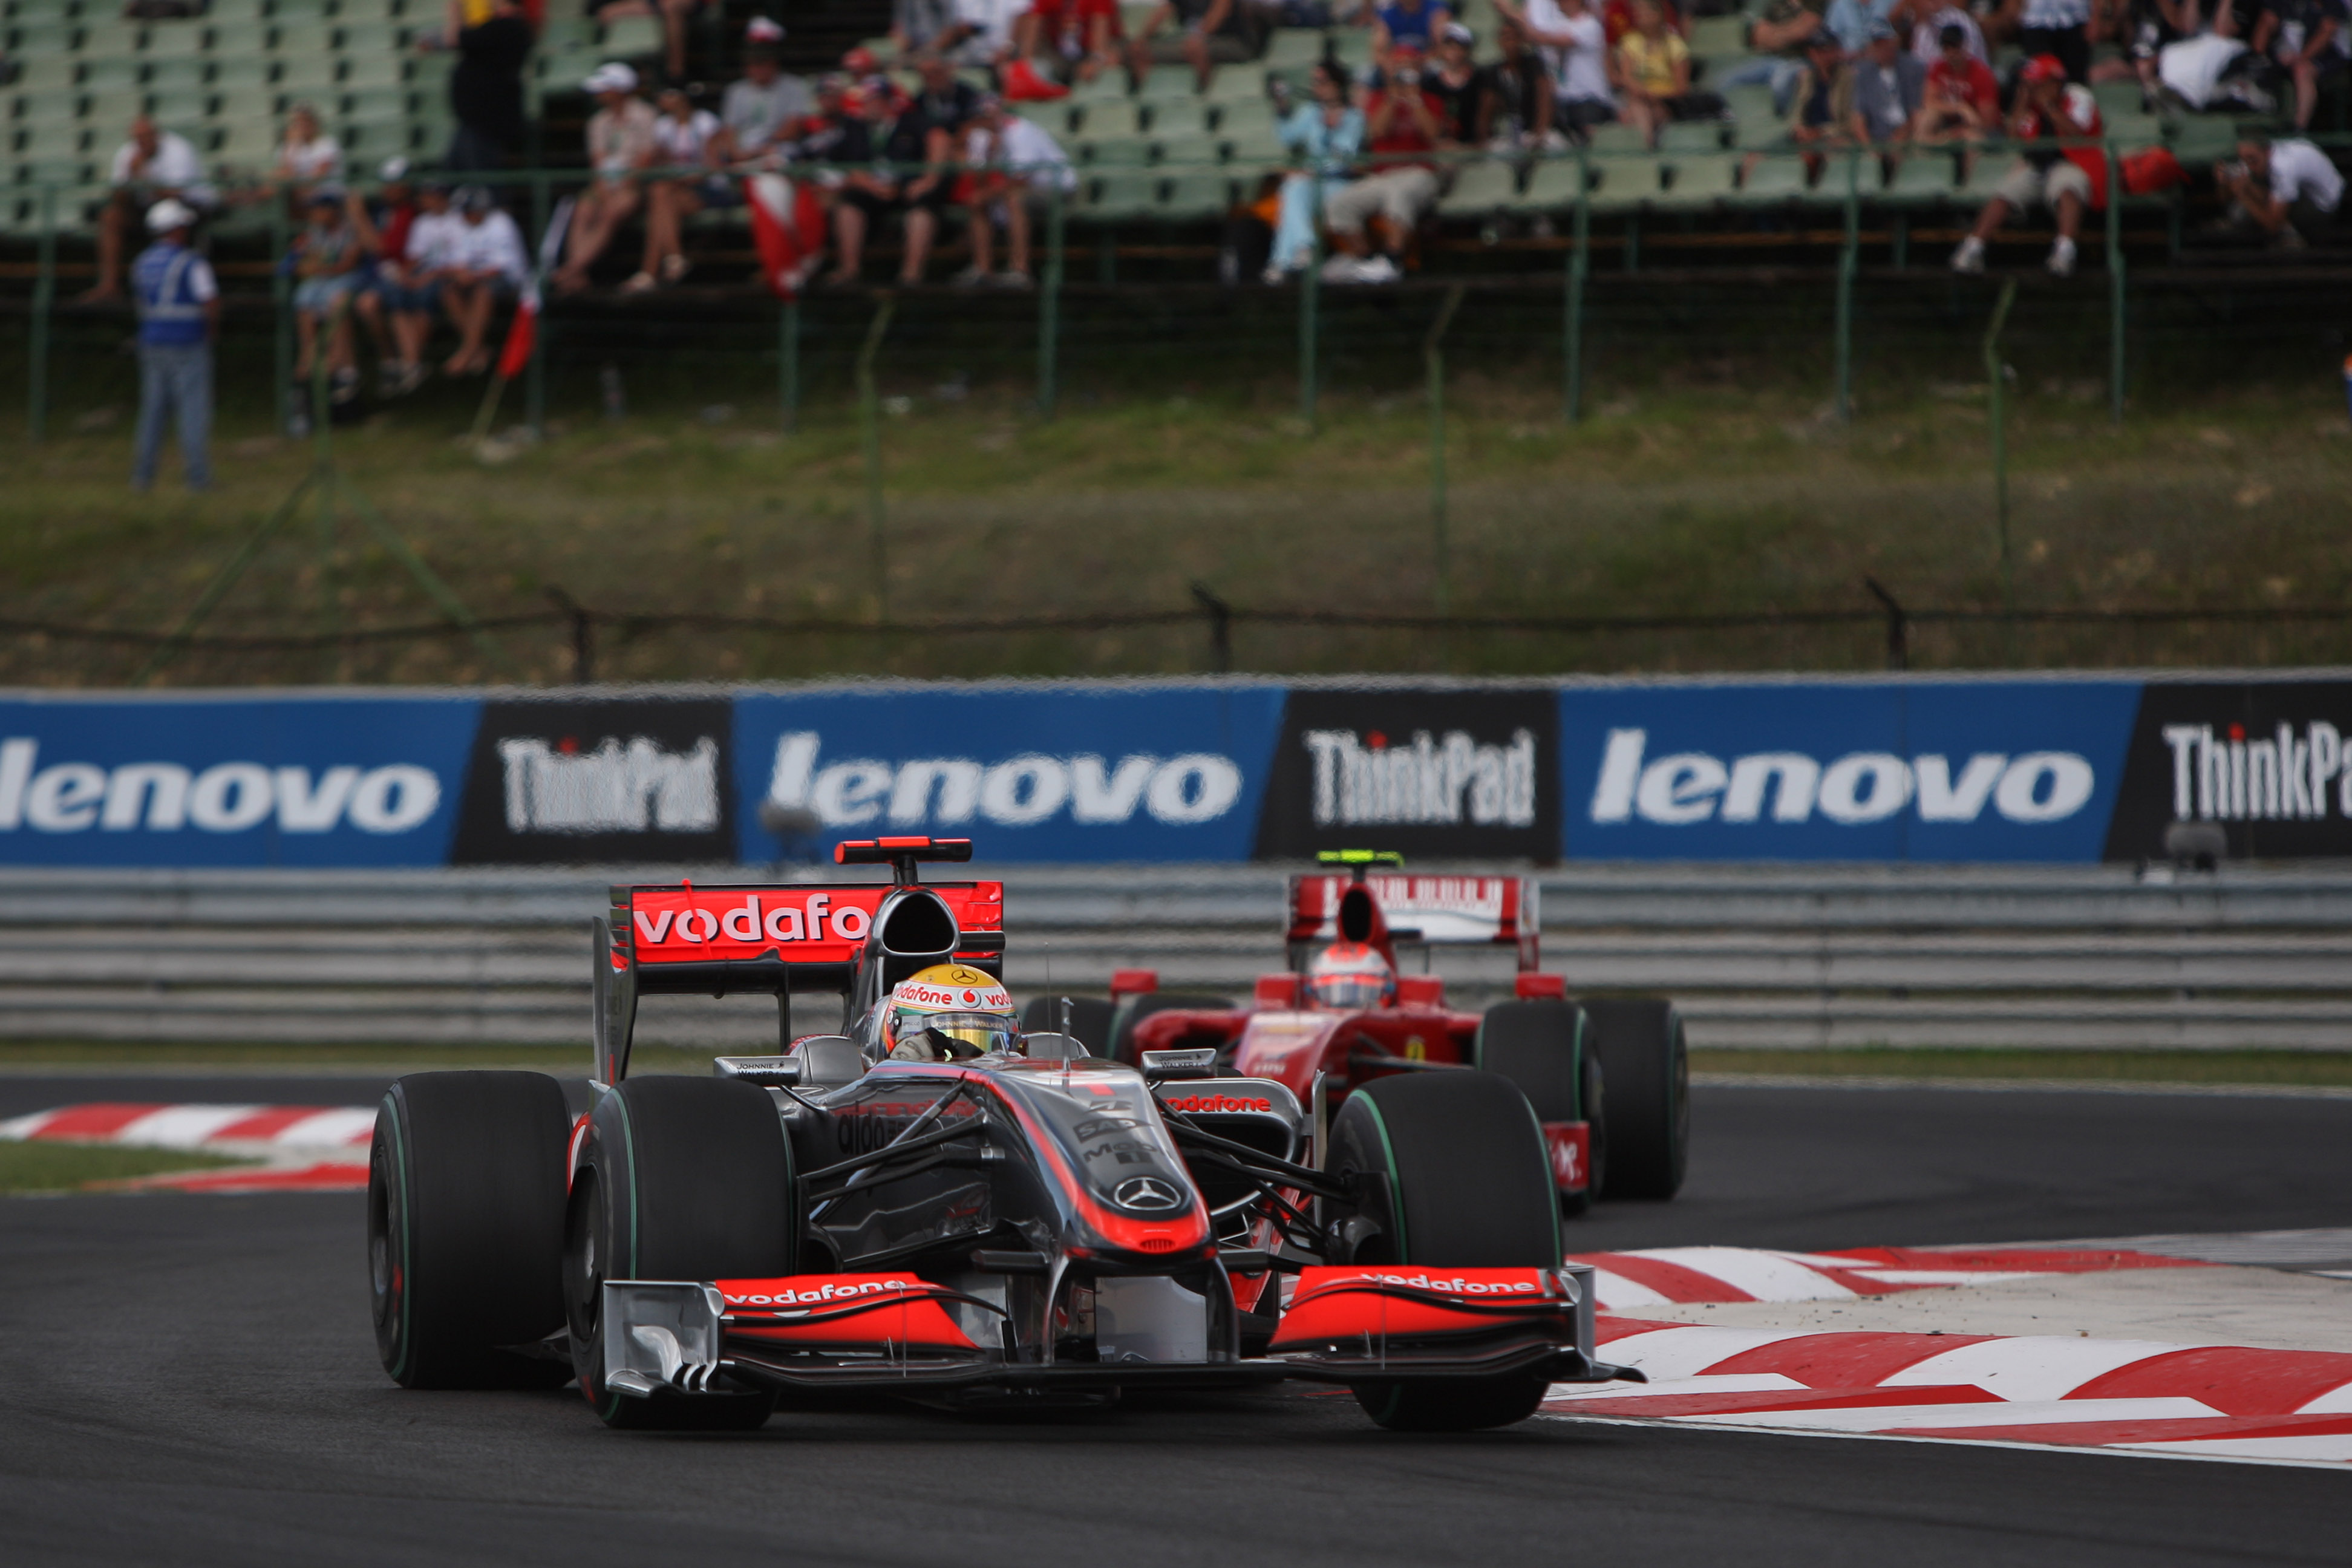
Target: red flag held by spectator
[788, 227]
[521, 337]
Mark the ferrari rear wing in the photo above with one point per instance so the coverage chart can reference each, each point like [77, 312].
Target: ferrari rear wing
[1502, 911]
[779, 939]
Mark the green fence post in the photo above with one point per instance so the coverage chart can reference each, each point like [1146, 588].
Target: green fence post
[869, 413]
[45, 293]
[1049, 311]
[788, 363]
[281, 300]
[1580, 261]
[1432, 352]
[1848, 260]
[534, 385]
[2116, 283]
[1996, 415]
[1309, 305]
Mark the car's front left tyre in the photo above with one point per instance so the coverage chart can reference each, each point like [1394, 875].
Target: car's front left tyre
[464, 1228]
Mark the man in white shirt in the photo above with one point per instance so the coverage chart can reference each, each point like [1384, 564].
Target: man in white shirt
[152, 166]
[487, 263]
[764, 108]
[2288, 189]
[1017, 166]
[986, 32]
[1576, 44]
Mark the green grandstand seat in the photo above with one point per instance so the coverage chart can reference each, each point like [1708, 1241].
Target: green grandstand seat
[114, 109]
[1920, 179]
[176, 40]
[1256, 148]
[1293, 48]
[298, 10]
[306, 75]
[1694, 136]
[1552, 186]
[1480, 189]
[109, 73]
[1056, 119]
[1110, 87]
[1749, 103]
[1191, 198]
[247, 74]
[1619, 137]
[1117, 152]
[251, 144]
[53, 140]
[364, 39]
[41, 104]
[2201, 139]
[1352, 44]
[1629, 183]
[2116, 97]
[222, 12]
[2130, 132]
[1117, 117]
[1173, 120]
[376, 104]
[628, 36]
[378, 11]
[1771, 182]
[365, 141]
[168, 76]
[1116, 197]
[376, 69]
[41, 73]
[1237, 84]
[236, 39]
[1984, 177]
[36, 40]
[1169, 83]
[1700, 183]
[1255, 116]
[181, 105]
[1192, 151]
[1718, 35]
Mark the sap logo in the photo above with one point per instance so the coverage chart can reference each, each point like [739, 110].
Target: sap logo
[1427, 783]
[613, 789]
[1860, 787]
[1019, 793]
[2230, 778]
[227, 798]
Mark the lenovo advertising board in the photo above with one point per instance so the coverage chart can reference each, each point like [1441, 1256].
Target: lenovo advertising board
[2052, 768]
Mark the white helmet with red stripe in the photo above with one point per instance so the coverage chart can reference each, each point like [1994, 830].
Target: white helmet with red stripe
[950, 1012]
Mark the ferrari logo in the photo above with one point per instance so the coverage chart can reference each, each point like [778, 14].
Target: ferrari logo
[1415, 1050]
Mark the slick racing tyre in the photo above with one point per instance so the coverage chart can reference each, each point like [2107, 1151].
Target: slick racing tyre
[1546, 1048]
[1455, 1176]
[1640, 1044]
[1091, 1019]
[681, 1178]
[464, 1228]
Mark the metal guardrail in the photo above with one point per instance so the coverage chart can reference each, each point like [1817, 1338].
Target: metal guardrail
[1774, 957]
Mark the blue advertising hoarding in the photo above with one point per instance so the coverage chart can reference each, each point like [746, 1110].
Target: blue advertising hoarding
[2017, 769]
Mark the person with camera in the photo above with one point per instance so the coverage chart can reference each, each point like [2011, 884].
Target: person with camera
[1403, 122]
[2287, 190]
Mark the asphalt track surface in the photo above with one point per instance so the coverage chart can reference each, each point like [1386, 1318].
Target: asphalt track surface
[187, 1379]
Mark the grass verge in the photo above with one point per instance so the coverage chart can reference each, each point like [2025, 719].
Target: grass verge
[66, 1167]
[2299, 1068]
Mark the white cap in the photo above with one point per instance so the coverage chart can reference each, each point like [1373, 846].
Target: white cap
[763, 30]
[168, 214]
[395, 170]
[611, 77]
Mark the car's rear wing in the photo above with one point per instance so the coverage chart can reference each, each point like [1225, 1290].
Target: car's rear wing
[1439, 910]
[777, 939]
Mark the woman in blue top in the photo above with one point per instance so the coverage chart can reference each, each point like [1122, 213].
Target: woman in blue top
[1323, 138]
[1407, 24]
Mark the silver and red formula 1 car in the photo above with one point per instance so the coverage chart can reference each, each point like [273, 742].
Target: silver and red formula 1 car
[1033, 1227]
[1610, 1080]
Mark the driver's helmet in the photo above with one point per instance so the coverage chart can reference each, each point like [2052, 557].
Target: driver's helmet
[1351, 975]
[950, 1012]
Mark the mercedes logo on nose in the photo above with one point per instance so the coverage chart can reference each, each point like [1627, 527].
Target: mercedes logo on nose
[1147, 1192]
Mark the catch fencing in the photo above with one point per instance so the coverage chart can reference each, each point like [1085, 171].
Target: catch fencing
[1800, 957]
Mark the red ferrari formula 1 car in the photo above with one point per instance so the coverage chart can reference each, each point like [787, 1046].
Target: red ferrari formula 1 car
[1608, 1079]
[1026, 1225]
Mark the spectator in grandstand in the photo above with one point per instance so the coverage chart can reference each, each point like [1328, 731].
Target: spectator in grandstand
[382, 227]
[673, 14]
[327, 259]
[486, 86]
[1202, 33]
[406, 287]
[1572, 35]
[621, 146]
[1077, 41]
[179, 313]
[1851, 20]
[2287, 190]
[1455, 80]
[2057, 28]
[986, 34]
[917, 26]
[1814, 122]
[2306, 39]
[898, 162]
[766, 107]
[1653, 76]
[945, 103]
[1019, 170]
[2145, 28]
[1779, 39]
[1514, 99]
[1411, 25]
[1929, 18]
[1322, 137]
[152, 166]
[1963, 97]
[822, 132]
[1617, 20]
[1885, 89]
[487, 264]
[1402, 125]
[306, 154]
[685, 137]
[2059, 121]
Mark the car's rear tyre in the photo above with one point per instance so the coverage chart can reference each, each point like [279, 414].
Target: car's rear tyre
[1641, 1047]
[1138, 1008]
[681, 1178]
[465, 1228]
[1545, 1047]
[1458, 1178]
[1091, 1020]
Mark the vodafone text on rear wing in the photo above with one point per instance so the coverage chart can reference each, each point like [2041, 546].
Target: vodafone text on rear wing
[852, 940]
[1437, 909]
